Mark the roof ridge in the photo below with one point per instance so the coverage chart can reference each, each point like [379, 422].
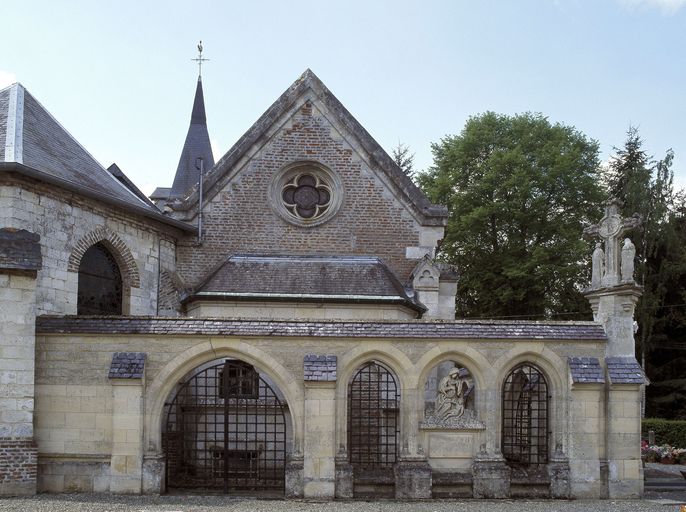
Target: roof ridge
[429, 213]
[14, 125]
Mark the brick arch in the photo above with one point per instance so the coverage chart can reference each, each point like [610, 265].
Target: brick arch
[120, 251]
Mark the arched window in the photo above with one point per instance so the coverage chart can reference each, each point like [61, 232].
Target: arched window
[373, 417]
[525, 416]
[100, 283]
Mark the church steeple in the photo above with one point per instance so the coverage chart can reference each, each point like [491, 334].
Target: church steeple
[197, 143]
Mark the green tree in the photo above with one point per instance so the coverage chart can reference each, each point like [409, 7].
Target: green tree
[404, 159]
[519, 190]
[646, 187]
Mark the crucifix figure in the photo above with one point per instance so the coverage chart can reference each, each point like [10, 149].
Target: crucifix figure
[200, 59]
[611, 229]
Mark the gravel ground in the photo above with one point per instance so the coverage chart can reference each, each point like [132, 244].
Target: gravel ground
[110, 503]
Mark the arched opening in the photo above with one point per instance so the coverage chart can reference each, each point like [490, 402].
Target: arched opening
[373, 428]
[449, 394]
[100, 290]
[525, 409]
[226, 429]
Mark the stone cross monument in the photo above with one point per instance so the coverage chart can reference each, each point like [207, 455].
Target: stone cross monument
[613, 292]
[614, 265]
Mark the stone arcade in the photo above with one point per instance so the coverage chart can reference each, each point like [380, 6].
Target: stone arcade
[284, 329]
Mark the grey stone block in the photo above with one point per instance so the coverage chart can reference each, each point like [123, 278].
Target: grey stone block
[295, 478]
[491, 477]
[153, 474]
[412, 480]
[344, 479]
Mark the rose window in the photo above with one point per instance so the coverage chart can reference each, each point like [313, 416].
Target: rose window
[306, 196]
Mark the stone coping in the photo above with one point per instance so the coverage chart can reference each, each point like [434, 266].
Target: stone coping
[459, 329]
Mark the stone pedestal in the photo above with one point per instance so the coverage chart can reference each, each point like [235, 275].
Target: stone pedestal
[294, 477]
[412, 480]
[153, 474]
[558, 471]
[614, 308]
[491, 476]
[344, 477]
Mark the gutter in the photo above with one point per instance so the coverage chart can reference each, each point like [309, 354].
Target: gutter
[94, 194]
[305, 297]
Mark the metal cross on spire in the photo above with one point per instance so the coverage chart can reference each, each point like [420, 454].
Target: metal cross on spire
[200, 59]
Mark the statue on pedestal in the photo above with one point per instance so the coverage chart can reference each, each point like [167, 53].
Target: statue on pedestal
[614, 269]
[628, 255]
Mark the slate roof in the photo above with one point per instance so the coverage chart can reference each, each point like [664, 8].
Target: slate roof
[127, 365]
[36, 145]
[19, 250]
[197, 145]
[459, 329]
[115, 171]
[304, 278]
[585, 370]
[624, 370]
[319, 368]
[430, 214]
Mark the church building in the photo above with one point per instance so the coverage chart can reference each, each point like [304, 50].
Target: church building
[276, 323]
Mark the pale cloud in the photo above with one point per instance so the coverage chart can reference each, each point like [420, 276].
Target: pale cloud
[666, 6]
[6, 78]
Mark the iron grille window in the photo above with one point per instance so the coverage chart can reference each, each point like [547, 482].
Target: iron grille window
[525, 416]
[234, 443]
[100, 283]
[373, 410]
[242, 382]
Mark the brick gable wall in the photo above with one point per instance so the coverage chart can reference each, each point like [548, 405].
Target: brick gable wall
[239, 220]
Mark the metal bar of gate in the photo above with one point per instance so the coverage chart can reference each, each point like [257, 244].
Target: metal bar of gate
[225, 452]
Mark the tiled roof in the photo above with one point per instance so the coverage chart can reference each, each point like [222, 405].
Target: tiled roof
[127, 365]
[430, 213]
[304, 278]
[197, 145]
[39, 147]
[462, 329]
[19, 250]
[624, 370]
[585, 370]
[319, 368]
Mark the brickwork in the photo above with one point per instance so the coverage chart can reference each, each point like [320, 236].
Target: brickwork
[121, 253]
[238, 219]
[66, 224]
[18, 466]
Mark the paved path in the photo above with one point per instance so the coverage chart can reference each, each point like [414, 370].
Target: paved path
[108, 503]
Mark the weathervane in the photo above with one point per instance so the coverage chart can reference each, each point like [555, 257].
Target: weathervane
[199, 59]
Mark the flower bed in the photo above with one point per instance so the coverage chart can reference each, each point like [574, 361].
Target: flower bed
[664, 454]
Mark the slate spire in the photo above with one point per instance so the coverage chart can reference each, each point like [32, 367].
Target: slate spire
[197, 146]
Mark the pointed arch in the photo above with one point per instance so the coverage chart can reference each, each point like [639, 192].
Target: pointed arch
[120, 252]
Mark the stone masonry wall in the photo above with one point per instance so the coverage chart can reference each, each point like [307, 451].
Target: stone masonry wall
[371, 221]
[74, 411]
[64, 219]
[17, 353]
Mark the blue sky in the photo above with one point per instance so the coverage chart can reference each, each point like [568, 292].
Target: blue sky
[118, 75]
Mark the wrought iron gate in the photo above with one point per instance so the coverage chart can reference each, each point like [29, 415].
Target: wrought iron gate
[225, 430]
[373, 405]
[525, 416]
